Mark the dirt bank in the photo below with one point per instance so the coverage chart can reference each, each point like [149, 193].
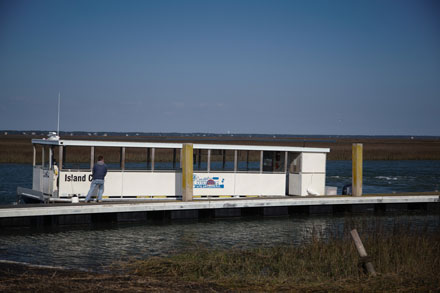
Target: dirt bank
[18, 148]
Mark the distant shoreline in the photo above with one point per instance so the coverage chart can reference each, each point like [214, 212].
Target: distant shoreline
[17, 148]
[64, 134]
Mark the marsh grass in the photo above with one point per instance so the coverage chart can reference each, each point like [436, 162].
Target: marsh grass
[18, 148]
[405, 260]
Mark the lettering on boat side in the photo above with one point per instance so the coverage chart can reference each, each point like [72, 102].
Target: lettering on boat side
[77, 178]
[208, 182]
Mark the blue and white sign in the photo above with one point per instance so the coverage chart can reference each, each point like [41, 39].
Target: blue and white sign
[208, 182]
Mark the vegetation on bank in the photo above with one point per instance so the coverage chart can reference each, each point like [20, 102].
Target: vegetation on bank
[18, 148]
[405, 260]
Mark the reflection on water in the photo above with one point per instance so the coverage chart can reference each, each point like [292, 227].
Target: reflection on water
[91, 247]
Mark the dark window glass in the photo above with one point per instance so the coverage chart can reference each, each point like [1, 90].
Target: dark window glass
[136, 159]
[166, 159]
[112, 156]
[294, 162]
[222, 160]
[200, 160]
[76, 157]
[249, 161]
[273, 161]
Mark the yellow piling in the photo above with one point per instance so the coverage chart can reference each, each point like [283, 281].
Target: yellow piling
[187, 172]
[357, 169]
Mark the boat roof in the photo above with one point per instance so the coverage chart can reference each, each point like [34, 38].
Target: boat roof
[130, 144]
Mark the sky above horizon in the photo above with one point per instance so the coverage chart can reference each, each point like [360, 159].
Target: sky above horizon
[283, 67]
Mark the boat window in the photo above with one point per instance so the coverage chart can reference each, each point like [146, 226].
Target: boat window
[273, 161]
[222, 160]
[112, 156]
[56, 156]
[200, 160]
[136, 159]
[248, 161]
[46, 157]
[38, 153]
[166, 159]
[294, 162]
[76, 157]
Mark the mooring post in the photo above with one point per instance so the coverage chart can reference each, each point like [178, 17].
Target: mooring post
[362, 252]
[187, 171]
[357, 169]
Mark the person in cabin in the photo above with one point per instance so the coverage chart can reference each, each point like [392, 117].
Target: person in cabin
[98, 175]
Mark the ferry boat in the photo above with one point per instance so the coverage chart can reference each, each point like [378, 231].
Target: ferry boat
[152, 170]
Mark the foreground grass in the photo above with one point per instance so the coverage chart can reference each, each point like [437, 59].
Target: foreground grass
[406, 261]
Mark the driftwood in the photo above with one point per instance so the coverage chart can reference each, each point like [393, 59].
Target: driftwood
[362, 253]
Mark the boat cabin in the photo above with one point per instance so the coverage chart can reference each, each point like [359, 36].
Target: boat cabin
[150, 170]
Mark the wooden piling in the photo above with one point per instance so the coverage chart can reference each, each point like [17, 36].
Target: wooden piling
[187, 172]
[357, 169]
[362, 252]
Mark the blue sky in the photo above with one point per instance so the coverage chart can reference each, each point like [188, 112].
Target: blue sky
[291, 67]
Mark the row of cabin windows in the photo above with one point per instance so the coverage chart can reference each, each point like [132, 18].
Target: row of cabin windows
[168, 159]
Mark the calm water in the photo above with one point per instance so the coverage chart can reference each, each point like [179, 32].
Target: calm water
[388, 176]
[95, 246]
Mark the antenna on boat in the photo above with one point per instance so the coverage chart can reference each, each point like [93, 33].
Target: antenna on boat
[56, 135]
[58, 124]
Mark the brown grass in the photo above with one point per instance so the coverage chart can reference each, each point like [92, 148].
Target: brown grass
[406, 261]
[316, 266]
[18, 148]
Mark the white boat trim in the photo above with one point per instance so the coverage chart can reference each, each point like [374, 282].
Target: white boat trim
[128, 144]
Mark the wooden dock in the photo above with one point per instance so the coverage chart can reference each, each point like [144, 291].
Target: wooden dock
[42, 214]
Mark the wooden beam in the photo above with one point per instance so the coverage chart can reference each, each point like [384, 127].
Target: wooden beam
[357, 169]
[187, 172]
[362, 252]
